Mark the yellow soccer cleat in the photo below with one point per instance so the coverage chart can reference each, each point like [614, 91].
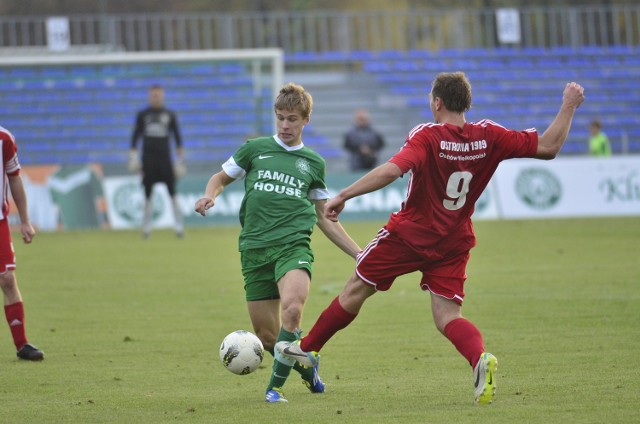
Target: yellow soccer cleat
[485, 379]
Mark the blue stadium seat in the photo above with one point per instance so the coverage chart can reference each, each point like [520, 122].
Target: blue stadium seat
[618, 49]
[518, 62]
[360, 55]
[334, 56]
[591, 50]
[389, 54]
[52, 72]
[449, 53]
[419, 54]
[464, 64]
[302, 57]
[24, 72]
[606, 61]
[532, 52]
[377, 66]
[564, 51]
[550, 62]
[405, 66]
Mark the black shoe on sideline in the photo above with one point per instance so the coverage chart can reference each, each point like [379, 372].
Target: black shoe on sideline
[30, 353]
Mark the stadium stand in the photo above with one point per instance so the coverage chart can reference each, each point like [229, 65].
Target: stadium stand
[515, 86]
[79, 114]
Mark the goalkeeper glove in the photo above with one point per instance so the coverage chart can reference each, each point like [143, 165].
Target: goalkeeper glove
[134, 162]
[179, 169]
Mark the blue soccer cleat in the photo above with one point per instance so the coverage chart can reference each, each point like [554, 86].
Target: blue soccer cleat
[275, 395]
[315, 385]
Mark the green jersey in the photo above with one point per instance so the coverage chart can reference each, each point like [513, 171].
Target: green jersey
[280, 184]
[599, 145]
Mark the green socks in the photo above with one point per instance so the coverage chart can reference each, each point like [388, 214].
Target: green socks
[282, 365]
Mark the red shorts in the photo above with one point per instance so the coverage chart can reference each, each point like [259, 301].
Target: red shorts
[7, 256]
[387, 257]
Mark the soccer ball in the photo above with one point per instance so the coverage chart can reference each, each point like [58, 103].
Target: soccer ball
[241, 352]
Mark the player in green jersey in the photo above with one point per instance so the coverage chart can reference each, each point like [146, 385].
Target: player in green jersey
[285, 193]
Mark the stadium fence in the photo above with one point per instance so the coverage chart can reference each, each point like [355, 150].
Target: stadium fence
[339, 31]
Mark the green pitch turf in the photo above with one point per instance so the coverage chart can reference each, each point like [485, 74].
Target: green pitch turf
[132, 328]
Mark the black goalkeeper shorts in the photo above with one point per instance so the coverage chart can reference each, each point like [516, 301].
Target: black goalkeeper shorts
[158, 174]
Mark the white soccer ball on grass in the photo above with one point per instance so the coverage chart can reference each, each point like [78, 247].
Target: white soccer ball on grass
[241, 352]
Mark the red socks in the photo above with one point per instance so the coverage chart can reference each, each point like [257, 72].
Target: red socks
[466, 338]
[15, 318]
[462, 333]
[330, 321]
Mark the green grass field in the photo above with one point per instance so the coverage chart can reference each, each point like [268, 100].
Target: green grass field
[132, 328]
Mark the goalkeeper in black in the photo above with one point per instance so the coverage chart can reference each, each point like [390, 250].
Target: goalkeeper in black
[154, 125]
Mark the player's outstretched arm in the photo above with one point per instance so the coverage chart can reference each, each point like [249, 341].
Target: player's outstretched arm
[215, 186]
[20, 198]
[551, 141]
[335, 231]
[375, 179]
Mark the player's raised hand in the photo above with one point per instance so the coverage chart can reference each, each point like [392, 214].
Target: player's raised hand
[573, 94]
[203, 204]
[332, 209]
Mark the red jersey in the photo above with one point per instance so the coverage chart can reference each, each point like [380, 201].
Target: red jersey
[450, 168]
[9, 165]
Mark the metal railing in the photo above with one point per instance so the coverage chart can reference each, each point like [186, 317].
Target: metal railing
[323, 31]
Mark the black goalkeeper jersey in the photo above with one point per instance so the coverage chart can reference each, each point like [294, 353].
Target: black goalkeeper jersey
[155, 126]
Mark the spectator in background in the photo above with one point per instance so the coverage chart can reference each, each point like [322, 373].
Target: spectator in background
[598, 141]
[155, 124]
[13, 307]
[363, 143]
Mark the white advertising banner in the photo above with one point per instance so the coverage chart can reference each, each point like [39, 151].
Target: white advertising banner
[520, 189]
[569, 187]
[125, 203]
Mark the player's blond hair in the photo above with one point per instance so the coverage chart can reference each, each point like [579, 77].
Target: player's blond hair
[294, 97]
[454, 89]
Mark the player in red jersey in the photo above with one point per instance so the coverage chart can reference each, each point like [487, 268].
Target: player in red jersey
[450, 163]
[13, 308]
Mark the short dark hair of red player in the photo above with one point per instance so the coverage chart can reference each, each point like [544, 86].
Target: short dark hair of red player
[454, 89]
